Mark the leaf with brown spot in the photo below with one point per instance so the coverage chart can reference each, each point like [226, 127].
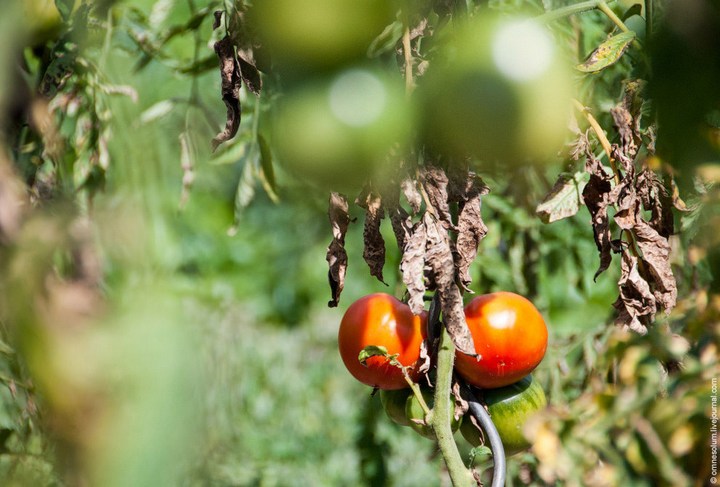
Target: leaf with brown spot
[230, 88]
[607, 53]
[636, 302]
[564, 199]
[336, 254]
[461, 405]
[439, 256]
[412, 267]
[471, 229]
[374, 244]
[436, 186]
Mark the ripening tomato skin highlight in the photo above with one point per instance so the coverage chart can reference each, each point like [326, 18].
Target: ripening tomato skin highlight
[510, 336]
[381, 320]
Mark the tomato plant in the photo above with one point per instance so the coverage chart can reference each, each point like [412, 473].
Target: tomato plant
[384, 321]
[509, 408]
[510, 338]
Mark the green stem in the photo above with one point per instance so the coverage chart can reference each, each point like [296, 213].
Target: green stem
[570, 10]
[649, 12]
[604, 8]
[443, 411]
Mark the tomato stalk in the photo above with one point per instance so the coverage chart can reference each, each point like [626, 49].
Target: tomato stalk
[443, 411]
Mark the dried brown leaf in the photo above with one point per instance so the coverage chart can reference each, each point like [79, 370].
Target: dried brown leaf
[399, 218]
[596, 197]
[336, 254]
[439, 256]
[435, 182]
[636, 303]
[412, 195]
[374, 244]
[461, 405]
[471, 229]
[656, 258]
[217, 18]
[230, 88]
[624, 123]
[248, 71]
[412, 267]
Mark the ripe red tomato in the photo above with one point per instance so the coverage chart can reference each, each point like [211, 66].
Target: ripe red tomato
[510, 336]
[381, 320]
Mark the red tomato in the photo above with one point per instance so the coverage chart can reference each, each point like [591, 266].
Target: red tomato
[381, 320]
[510, 336]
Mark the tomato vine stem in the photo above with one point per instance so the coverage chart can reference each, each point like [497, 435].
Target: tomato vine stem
[443, 411]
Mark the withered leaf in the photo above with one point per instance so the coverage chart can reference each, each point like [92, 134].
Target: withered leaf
[217, 19]
[230, 88]
[596, 197]
[656, 258]
[249, 72]
[636, 302]
[436, 186]
[624, 123]
[412, 267]
[439, 256]
[656, 198]
[564, 199]
[374, 244]
[13, 201]
[399, 218]
[336, 255]
[461, 405]
[412, 195]
[471, 229]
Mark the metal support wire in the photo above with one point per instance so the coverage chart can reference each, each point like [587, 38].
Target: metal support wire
[498, 452]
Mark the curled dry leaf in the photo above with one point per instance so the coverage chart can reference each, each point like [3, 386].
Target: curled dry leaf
[636, 303]
[471, 229]
[336, 254]
[439, 257]
[656, 256]
[435, 182]
[461, 405]
[412, 195]
[412, 267]
[399, 218]
[596, 196]
[230, 88]
[374, 244]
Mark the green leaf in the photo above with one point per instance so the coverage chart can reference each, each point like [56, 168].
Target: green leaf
[607, 53]
[267, 175]
[372, 351]
[65, 7]
[564, 199]
[387, 39]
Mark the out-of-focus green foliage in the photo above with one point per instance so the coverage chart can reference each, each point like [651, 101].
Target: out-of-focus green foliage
[162, 307]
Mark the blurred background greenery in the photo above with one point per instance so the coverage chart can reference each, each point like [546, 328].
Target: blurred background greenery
[163, 307]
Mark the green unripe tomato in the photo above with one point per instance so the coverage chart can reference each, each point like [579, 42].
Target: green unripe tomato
[338, 132]
[509, 408]
[319, 34]
[414, 411]
[499, 91]
[393, 402]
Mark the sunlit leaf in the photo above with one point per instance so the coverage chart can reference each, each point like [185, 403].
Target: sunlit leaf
[607, 53]
[564, 199]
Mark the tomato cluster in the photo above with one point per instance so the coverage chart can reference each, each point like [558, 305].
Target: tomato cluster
[510, 338]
